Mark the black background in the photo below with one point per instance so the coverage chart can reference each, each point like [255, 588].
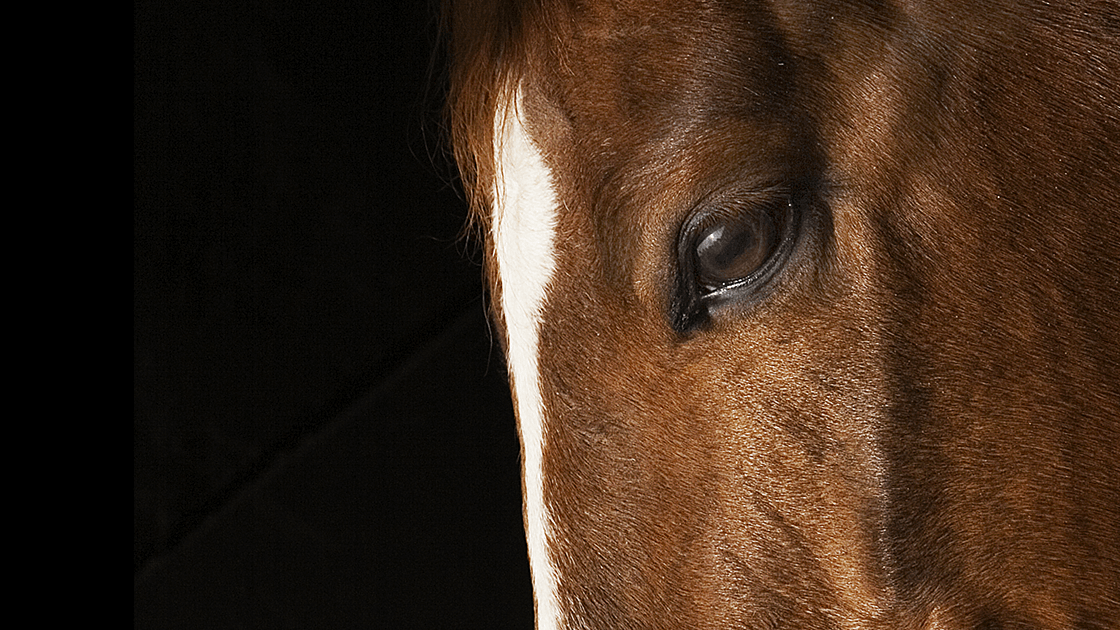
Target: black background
[322, 430]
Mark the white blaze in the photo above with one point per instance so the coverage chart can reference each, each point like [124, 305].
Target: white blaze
[523, 228]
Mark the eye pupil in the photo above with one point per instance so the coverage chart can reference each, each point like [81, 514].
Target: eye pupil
[733, 248]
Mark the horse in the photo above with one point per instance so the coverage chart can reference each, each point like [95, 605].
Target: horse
[810, 309]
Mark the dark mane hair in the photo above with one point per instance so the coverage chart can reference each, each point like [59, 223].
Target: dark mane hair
[486, 41]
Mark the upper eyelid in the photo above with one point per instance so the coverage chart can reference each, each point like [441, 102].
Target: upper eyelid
[705, 213]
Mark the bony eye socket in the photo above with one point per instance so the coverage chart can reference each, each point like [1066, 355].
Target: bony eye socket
[735, 246]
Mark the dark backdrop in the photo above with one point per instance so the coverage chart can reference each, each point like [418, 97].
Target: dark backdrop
[322, 431]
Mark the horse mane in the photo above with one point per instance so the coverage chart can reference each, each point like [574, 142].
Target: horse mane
[488, 43]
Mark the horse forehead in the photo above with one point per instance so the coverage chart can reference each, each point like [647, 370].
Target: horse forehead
[646, 69]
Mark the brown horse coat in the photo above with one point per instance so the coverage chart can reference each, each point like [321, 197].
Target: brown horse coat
[901, 408]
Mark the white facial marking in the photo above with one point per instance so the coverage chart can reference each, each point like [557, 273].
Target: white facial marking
[522, 228]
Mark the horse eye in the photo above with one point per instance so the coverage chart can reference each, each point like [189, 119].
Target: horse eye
[732, 247]
[728, 252]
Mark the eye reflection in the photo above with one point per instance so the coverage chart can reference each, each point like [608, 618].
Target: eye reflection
[734, 246]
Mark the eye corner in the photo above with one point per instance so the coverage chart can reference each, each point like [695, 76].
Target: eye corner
[688, 311]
